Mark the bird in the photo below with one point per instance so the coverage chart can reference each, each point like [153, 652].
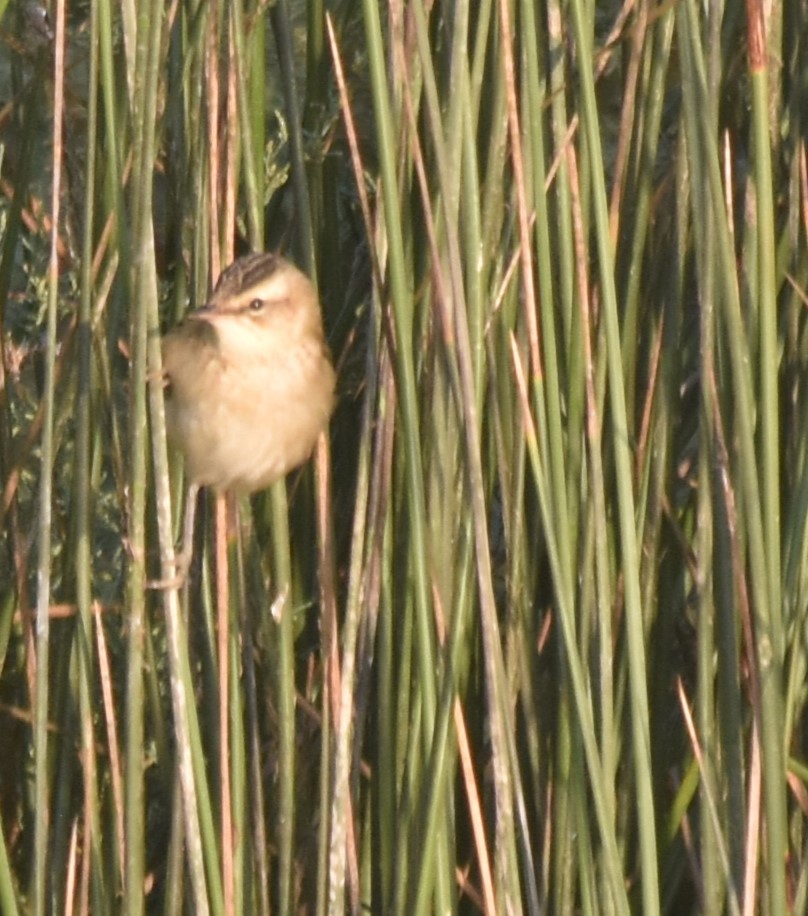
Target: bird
[249, 377]
[249, 383]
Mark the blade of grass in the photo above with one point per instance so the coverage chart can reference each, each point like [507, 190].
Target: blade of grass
[635, 629]
[92, 836]
[769, 640]
[407, 402]
[41, 701]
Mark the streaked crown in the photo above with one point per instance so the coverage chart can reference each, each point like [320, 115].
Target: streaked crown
[257, 283]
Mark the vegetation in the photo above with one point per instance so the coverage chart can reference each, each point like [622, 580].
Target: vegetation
[533, 638]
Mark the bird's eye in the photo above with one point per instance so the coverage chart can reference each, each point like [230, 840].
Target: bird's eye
[256, 305]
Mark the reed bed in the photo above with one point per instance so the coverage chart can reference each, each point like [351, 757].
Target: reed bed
[528, 635]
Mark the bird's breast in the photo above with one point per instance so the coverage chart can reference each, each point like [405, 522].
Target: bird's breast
[245, 415]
